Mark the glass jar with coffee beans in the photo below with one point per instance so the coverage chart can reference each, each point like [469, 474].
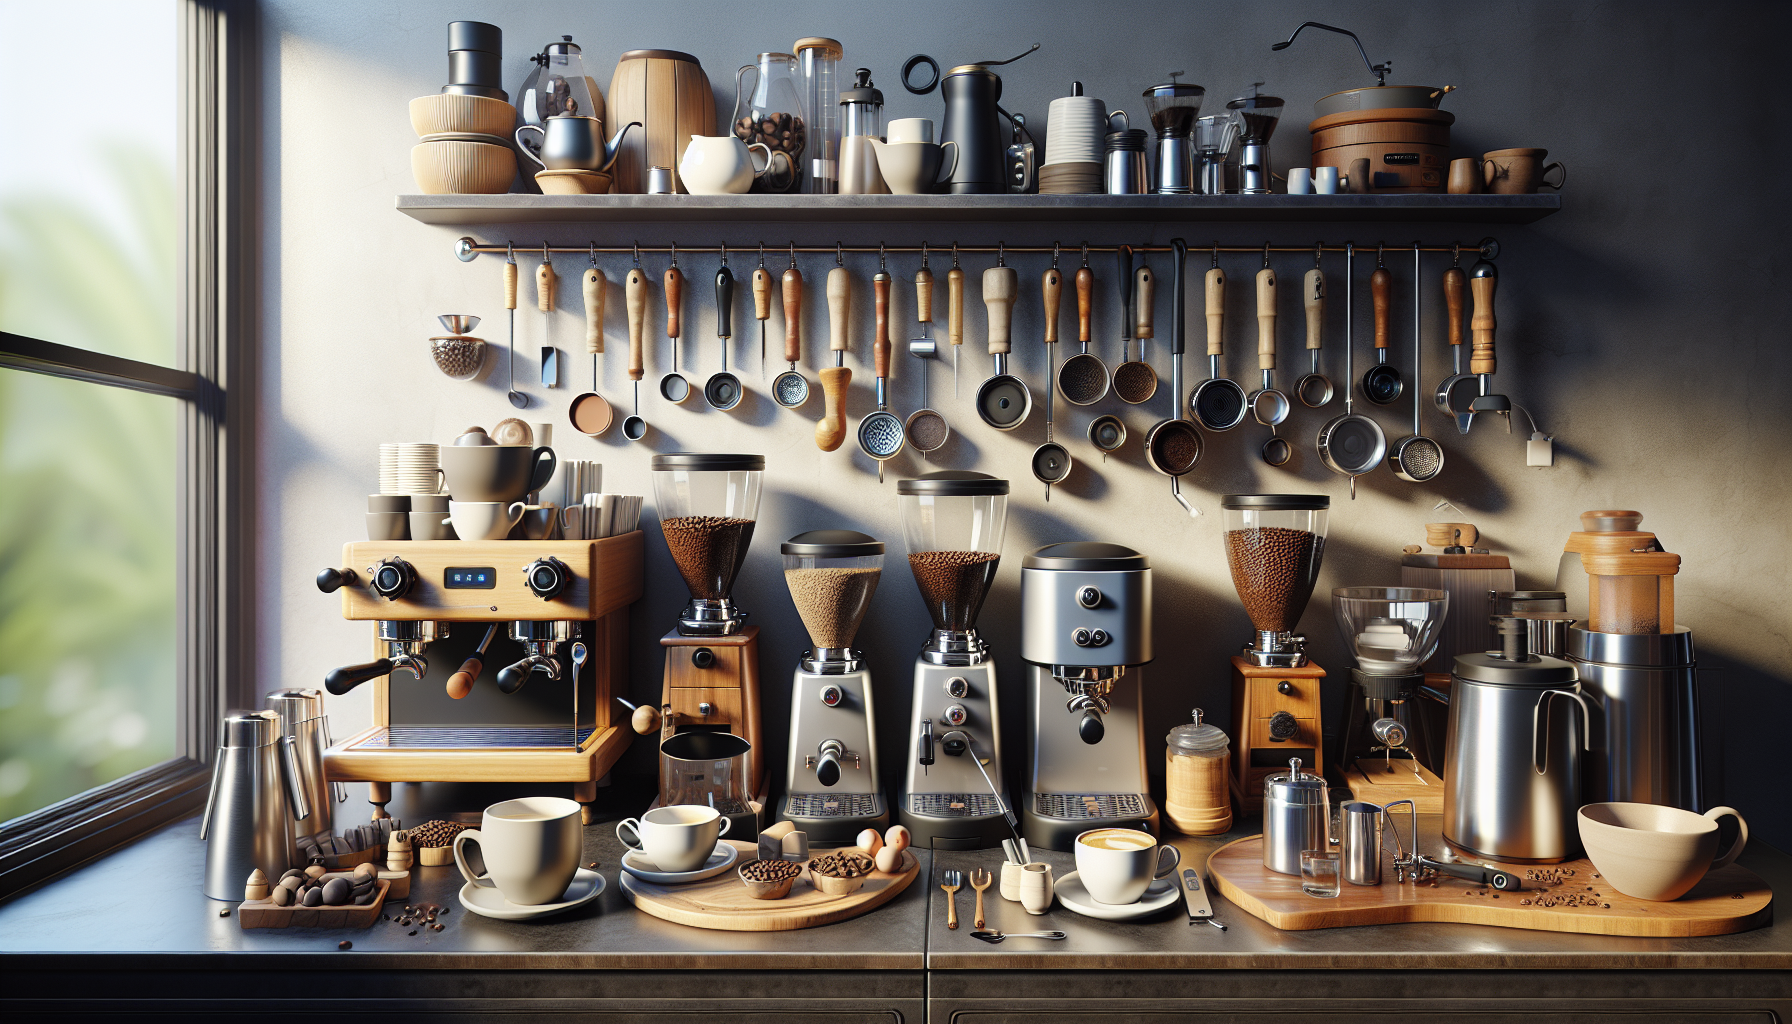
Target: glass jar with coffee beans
[772, 114]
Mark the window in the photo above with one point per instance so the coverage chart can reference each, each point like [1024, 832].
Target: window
[118, 461]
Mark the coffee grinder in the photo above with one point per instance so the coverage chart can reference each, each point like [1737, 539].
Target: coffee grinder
[1390, 631]
[831, 781]
[1258, 116]
[952, 525]
[707, 505]
[1173, 107]
[1274, 544]
[1085, 620]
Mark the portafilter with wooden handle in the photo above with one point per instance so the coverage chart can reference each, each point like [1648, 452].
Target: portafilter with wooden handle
[1004, 400]
[830, 430]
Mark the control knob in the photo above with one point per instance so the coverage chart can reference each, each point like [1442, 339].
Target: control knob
[1283, 726]
[832, 695]
[955, 714]
[392, 579]
[547, 578]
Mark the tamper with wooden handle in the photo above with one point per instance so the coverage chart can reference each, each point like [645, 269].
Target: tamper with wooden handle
[830, 432]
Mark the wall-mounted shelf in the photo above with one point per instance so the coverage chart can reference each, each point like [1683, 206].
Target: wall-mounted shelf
[528, 209]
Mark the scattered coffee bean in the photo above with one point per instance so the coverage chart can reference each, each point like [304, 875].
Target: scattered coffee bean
[223, 911]
[413, 931]
[345, 944]
[314, 898]
[437, 927]
[592, 864]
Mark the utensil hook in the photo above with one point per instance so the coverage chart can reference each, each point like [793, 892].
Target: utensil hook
[1265, 255]
[839, 254]
[954, 255]
[1456, 254]
[1216, 254]
[793, 254]
[762, 255]
[545, 258]
[1054, 254]
[593, 253]
[509, 252]
[1001, 253]
[637, 248]
[882, 267]
[923, 260]
[1085, 254]
[674, 254]
[724, 246]
[1318, 253]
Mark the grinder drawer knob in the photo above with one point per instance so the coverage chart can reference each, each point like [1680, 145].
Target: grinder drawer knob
[1285, 688]
[1283, 726]
[703, 657]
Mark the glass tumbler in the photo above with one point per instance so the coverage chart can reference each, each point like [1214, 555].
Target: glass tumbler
[1319, 873]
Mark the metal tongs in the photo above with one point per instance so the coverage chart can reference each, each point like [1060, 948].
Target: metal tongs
[1424, 868]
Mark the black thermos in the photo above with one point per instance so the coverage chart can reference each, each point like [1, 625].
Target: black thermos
[971, 92]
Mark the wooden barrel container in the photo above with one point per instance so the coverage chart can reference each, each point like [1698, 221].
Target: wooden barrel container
[669, 94]
[1408, 148]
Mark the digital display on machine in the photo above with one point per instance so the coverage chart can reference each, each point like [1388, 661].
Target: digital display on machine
[479, 578]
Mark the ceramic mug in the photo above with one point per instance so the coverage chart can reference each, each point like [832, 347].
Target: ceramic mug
[676, 838]
[388, 503]
[429, 525]
[719, 165]
[1300, 181]
[1117, 865]
[528, 849]
[1325, 181]
[388, 525]
[1036, 888]
[1654, 852]
[913, 168]
[909, 129]
[1519, 172]
[1466, 177]
[483, 520]
[538, 522]
[496, 472]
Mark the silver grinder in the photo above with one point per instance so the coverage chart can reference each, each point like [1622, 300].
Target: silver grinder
[1085, 633]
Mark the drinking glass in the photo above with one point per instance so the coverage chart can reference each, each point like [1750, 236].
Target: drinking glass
[1319, 873]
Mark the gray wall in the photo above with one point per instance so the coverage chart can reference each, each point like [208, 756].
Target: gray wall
[1638, 325]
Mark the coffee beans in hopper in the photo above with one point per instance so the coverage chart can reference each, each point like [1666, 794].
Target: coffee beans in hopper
[708, 551]
[1274, 568]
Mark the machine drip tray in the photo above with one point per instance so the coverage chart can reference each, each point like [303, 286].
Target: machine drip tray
[831, 805]
[1089, 806]
[463, 737]
[955, 805]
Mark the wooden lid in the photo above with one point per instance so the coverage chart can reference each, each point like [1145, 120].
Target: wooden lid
[1613, 542]
[1637, 563]
[1425, 115]
[659, 55]
[830, 48]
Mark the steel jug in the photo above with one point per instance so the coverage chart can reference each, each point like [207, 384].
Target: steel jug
[255, 799]
[302, 717]
[1296, 815]
[1513, 754]
[1644, 690]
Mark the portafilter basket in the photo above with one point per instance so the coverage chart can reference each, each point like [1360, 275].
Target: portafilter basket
[790, 389]
[1219, 403]
[1107, 433]
[1083, 378]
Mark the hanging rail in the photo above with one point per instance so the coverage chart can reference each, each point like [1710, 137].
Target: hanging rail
[468, 249]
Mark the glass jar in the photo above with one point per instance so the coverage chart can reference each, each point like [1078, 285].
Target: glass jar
[818, 62]
[558, 85]
[1196, 798]
[952, 523]
[707, 506]
[772, 114]
[832, 575]
[1390, 630]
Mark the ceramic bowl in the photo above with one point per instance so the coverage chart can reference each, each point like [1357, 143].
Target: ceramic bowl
[828, 885]
[462, 168]
[766, 890]
[572, 182]
[1653, 852]
[446, 112]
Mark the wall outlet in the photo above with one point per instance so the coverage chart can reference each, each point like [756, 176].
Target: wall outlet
[1539, 450]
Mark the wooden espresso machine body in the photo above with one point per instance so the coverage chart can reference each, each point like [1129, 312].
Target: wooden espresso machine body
[546, 732]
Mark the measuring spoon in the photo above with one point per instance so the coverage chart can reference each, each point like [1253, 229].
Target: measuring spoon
[1083, 379]
[673, 387]
[1051, 460]
[1416, 458]
[926, 429]
[1456, 393]
[590, 413]
[722, 390]
[791, 388]
[1004, 400]
[1135, 381]
[880, 434]
[1219, 403]
[830, 430]
[1173, 446]
[635, 290]
[1382, 383]
[1314, 388]
[1352, 444]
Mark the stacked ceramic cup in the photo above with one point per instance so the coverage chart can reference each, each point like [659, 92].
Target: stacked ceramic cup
[410, 505]
[1075, 128]
[410, 469]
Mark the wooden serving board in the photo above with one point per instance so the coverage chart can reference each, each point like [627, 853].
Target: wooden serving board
[722, 902]
[1566, 897]
[264, 914]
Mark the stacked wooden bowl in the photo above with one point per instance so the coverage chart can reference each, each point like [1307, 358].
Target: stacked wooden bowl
[465, 147]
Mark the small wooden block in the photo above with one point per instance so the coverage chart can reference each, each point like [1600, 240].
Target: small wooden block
[264, 914]
[1371, 779]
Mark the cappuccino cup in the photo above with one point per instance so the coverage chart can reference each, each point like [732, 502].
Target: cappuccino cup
[527, 849]
[1117, 865]
[676, 838]
[483, 520]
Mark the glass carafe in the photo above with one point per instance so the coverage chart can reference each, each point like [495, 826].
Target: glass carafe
[707, 506]
[818, 60]
[558, 85]
[952, 524]
[832, 575]
[1274, 544]
[772, 114]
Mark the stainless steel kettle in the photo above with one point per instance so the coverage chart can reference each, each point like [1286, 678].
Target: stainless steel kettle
[1513, 759]
[254, 801]
[302, 717]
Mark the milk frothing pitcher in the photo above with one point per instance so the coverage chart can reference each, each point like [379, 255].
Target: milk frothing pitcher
[254, 801]
[301, 714]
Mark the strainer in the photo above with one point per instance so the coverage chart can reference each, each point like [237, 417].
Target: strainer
[1351, 444]
[880, 434]
[1051, 460]
[927, 430]
[1134, 380]
[1173, 446]
[790, 388]
[1083, 378]
[1217, 402]
[1417, 458]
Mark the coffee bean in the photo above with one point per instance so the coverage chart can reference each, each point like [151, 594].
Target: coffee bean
[771, 870]
[842, 865]
[708, 550]
[223, 911]
[1274, 568]
[954, 584]
[313, 898]
[345, 944]
[413, 931]
[832, 602]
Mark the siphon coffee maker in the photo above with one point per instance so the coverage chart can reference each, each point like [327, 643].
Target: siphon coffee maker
[1174, 107]
[831, 782]
[952, 524]
[1274, 546]
[1390, 631]
[1085, 635]
[1257, 116]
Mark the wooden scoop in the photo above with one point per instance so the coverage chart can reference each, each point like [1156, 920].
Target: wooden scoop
[830, 432]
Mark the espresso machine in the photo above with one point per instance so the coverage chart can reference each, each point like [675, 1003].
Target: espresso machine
[1390, 631]
[1257, 115]
[831, 781]
[1085, 620]
[708, 715]
[552, 614]
[952, 525]
[1274, 545]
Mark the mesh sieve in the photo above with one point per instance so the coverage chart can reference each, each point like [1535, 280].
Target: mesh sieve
[791, 389]
[880, 435]
[927, 430]
[1083, 379]
[1135, 382]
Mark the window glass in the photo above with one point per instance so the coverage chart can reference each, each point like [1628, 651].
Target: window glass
[89, 239]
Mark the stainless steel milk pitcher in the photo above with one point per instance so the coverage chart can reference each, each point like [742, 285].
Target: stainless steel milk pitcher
[302, 717]
[254, 801]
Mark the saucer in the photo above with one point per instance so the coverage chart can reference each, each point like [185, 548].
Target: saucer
[720, 859]
[487, 901]
[1161, 895]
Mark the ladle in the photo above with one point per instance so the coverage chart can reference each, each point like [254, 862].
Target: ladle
[1456, 393]
[1004, 400]
[673, 387]
[589, 413]
[1218, 402]
[1083, 379]
[830, 430]
[1314, 388]
[1417, 458]
[635, 292]
[1382, 383]
[1135, 382]
[1173, 446]
[1351, 444]
[880, 434]
[722, 390]
[926, 428]
[791, 388]
[517, 398]
[1051, 460]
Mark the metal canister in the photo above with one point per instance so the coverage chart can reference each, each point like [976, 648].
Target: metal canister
[1124, 171]
[302, 717]
[254, 801]
[1359, 842]
[1644, 689]
[1544, 636]
[1296, 811]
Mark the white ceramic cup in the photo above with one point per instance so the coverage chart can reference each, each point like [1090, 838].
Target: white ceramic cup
[1300, 181]
[676, 838]
[914, 168]
[1325, 181]
[909, 129]
[528, 849]
[1036, 888]
[1117, 865]
[484, 520]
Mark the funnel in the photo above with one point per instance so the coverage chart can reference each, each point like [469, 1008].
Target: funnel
[1274, 544]
[952, 523]
[707, 506]
[1389, 630]
[832, 575]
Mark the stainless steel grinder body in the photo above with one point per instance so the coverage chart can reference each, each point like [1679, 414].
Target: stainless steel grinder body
[1644, 690]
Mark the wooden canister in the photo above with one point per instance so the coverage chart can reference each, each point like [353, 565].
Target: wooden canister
[1408, 148]
[1197, 799]
[669, 94]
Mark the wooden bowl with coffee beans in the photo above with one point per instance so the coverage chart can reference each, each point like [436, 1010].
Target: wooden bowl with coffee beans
[769, 879]
[840, 873]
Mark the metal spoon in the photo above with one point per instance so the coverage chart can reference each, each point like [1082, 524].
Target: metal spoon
[673, 387]
[1173, 446]
[1107, 434]
[1314, 388]
[995, 937]
[634, 428]
[1135, 382]
[1382, 383]
[791, 388]
[1051, 460]
[517, 398]
[1417, 458]
[1351, 444]
[1268, 405]
[1219, 403]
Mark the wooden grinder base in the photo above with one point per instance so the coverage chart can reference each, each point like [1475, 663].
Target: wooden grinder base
[1729, 899]
[722, 902]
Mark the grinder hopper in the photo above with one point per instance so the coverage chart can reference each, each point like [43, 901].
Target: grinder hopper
[707, 505]
[1274, 545]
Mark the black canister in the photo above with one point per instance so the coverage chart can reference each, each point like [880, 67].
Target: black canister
[972, 121]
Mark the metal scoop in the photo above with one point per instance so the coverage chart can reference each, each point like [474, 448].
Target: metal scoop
[673, 387]
[1217, 402]
[1004, 400]
[723, 390]
[1351, 444]
[1456, 394]
[635, 291]
[1107, 434]
[517, 398]
[1173, 446]
[1083, 379]
[1314, 388]
[881, 433]
[1382, 383]
[791, 388]
[1135, 382]
[1051, 460]
[1417, 458]
[926, 429]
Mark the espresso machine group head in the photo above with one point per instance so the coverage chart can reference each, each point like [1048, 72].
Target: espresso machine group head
[1085, 635]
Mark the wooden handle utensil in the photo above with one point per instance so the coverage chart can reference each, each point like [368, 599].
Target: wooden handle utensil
[839, 308]
[546, 281]
[1482, 284]
[1266, 319]
[762, 294]
[955, 306]
[830, 431]
[1379, 286]
[1455, 292]
[1085, 303]
[1216, 311]
[635, 292]
[1051, 287]
[509, 285]
[1144, 290]
[793, 315]
[1313, 296]
[880, 343]
[674, 299]
[593, 286]
[924, 296]
[1000, 286]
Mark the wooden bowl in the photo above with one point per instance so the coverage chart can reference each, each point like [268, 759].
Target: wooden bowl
[828, 885]
[447, 112]
[572, 183]
[434, 856]
[766, 890]
[462, 168]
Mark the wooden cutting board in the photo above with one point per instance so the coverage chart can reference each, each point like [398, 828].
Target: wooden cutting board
[1566, 897]
[722, 902]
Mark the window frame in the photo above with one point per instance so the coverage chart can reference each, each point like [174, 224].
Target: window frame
[215, 515]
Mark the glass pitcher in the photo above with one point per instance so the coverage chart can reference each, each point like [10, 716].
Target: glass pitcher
[772, 114]
[558, 85]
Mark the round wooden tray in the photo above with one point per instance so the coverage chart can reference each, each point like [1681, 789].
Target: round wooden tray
[722, 903]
